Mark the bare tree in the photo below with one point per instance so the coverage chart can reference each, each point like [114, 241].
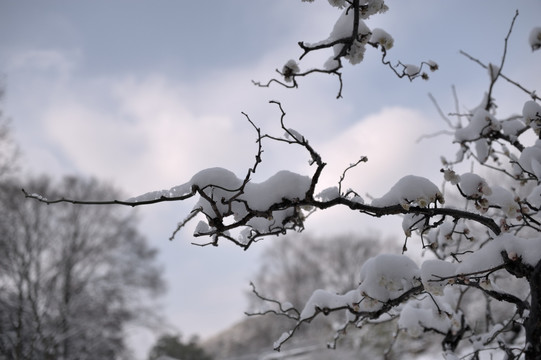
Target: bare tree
[72, 277]
[294, 266]
[8, 148]
[431, 298]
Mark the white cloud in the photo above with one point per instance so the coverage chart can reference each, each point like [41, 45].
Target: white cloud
[148, 137]
[61, 63]
[389, 140]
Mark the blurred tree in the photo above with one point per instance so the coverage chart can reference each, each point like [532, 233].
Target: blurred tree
[171, 347]
[8, 148]
[72, 277]
[290, 271]
[294, 266]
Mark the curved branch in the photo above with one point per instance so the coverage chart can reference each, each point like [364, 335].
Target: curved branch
[162, 198]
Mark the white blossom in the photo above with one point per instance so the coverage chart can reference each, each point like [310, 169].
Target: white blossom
[290, 68]
[338, 3]
[383, 38]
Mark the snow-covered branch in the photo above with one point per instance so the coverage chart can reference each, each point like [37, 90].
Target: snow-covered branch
[282, 202]
[348, 40]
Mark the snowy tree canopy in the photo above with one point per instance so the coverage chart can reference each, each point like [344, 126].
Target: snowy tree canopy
[485, 247]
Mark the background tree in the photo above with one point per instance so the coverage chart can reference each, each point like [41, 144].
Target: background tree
[430, 298]
[72, 277]
[8, 148]
[290, 269]
[171, 346]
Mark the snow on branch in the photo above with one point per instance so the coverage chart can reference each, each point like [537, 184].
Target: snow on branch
[493, 236]
[392, 286]
[231, 204]
[348, 40]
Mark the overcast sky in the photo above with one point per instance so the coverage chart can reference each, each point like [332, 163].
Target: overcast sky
[144, 94]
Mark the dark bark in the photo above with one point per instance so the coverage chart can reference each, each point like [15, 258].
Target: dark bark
[533, 322]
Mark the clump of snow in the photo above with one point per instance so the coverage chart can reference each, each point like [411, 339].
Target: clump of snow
[223, 197]
[213, 176]
[505, 200]
[535, 38]
[531, 111]
[343, 29]
[331, 64]
[411, 222]
[282, 185]
[357, 199]
[322, 299]
[38, 196]
[530, 160]
[388, 276]
[290, 68]
[282, 338]
[372, 7]
[338, 3]
[481, 123]
[489, 256]
[482, 150]
[474, 186]
[294, 134]
[433, 312]
[534, 198]
[329, 194]
[512, 128]
[382, 37]
[201, 228]
[411, 70]
[410, 190]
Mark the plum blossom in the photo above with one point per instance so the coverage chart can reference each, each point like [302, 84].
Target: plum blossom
[290, 68]
[382, 37]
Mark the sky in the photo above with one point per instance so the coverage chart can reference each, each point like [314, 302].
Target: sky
[143, 94]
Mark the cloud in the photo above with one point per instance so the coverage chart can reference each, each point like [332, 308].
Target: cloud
[141, 132]
[389, 140]
[60, 63]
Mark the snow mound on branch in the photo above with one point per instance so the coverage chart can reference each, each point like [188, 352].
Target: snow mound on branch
[383, 38]
[531, 112]
[535, 197]
[218, 177]
[490, 256]
[530, 160]
[411, 70]
[321, 300]
[387, 276]
[222, 184]
[432, 312]
[284, 185]
[481, 122]
[383, 278]
[410, 190]
[223, 194]
[473, 185]
[512, 128]
[342, 29]
[505, 199]
[329, 194]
